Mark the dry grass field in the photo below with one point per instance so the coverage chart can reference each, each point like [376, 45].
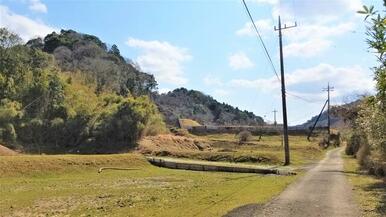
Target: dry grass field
[69, 185]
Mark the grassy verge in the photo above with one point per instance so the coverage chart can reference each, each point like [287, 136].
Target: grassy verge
[70, 186]
[370, 192]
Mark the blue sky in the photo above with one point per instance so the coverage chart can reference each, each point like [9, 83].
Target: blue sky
[210, 45]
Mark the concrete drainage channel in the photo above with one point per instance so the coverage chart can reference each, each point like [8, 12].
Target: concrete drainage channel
[217, 168]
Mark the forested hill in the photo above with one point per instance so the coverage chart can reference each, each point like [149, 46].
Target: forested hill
[192, 104]
[75, 51]
[340, 115]
[69, 92]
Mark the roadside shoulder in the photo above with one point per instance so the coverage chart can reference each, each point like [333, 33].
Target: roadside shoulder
[369, 191]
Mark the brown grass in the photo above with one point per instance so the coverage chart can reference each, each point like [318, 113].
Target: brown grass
[171, 143]
[188, 123]
[25, 165]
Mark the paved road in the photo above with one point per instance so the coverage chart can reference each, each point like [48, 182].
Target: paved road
[322, 192]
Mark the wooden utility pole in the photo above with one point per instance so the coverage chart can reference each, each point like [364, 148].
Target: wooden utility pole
[328, 89]
[274, 117]
[283, 93]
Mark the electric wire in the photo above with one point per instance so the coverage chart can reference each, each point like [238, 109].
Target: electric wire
[261, 40]
[300, 97]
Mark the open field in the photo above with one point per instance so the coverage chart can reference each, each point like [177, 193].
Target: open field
[370, 192]
[74, 187]
[226, 147]
[70, 185]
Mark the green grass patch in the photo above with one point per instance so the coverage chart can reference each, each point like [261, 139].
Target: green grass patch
[149, 191]
[370, 192]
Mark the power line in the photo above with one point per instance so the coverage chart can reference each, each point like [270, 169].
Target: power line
[300, 97]
[261, 40]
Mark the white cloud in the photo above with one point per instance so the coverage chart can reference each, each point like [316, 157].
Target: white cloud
[162, 59]
[308, 39]
[308, 48]
[37, 6]
[319, 29]
[346, 80]
[25, 27]
[320, 21]
[314, 8]
[263, 25]
[240, 60]
[312, 39]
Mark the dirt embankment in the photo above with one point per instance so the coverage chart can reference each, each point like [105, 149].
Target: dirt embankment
[196, 148]
[4, 151]
[164, 144]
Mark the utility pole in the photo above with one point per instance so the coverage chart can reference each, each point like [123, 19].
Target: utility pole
[274, 117]
[328, 89]
[283, 93]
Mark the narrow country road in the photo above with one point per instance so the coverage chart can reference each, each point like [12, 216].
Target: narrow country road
[324, 192]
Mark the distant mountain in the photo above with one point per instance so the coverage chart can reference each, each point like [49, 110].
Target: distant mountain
[339, 116]
[192, 104]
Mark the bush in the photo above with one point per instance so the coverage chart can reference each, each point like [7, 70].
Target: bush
[123, 124]
[244, 136]
[353, 144]
[335, 139]
[363, 153]
[155, 126]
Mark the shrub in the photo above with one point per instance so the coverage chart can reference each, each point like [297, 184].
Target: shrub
[363, 153]
[244, 136]
[335, 139]
[353, 144]
[155, 126]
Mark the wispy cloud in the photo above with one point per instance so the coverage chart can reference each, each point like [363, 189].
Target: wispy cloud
[240, 60]
[26, 27]
[312, 39]
[162, 59]
[263, 25]
[307, 48]
[37, 6]
[347, 80]
[320, 23]
[314, 8]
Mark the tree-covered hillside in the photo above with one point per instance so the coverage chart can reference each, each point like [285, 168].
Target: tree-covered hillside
[105, 66]
[340, 116]
[192, 104]
[69, 93]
